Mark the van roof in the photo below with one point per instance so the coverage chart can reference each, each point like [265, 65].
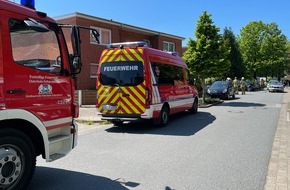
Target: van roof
[154, 54]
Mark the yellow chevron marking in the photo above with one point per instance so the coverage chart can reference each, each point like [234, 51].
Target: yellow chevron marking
[125, 52]
[114, 100]
[113, 55]
[105, 55]
[140, 96]
[137, 94]
[120, 58]
[111, 94]
[101, 96]
[137, 55]
[135, 102]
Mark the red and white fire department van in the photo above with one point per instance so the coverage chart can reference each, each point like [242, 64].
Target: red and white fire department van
[37, 104]
[138, 82]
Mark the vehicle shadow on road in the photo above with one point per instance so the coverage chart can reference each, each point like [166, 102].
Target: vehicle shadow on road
[241, 104]
[181, 124]
[59, 179]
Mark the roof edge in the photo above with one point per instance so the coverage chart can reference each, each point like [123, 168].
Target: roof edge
[122, 25]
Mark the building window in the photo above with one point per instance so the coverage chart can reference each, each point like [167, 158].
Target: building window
[168, 46]
[93, 70]
[105, 36]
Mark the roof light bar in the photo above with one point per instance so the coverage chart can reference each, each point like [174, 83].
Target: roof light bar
[28, 3]
[127, 44]
[174, 53]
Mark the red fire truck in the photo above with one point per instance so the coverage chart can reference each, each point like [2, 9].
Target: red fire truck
[37, 104]
[138, 82]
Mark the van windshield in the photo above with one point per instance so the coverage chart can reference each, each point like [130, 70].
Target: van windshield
[122, 73]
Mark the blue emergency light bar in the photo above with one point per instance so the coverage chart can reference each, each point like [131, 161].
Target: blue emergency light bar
[28, 3]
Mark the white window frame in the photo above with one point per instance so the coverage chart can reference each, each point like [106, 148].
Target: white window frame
[168, 45]
[91, 73]
[101, 38]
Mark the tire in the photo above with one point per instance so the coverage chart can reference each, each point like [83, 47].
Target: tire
[234, 96]
[163, 118]
[226, 96]
[17, 160]
[194, 107]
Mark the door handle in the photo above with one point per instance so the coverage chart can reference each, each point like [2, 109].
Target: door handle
[16, 91]
[125, 95]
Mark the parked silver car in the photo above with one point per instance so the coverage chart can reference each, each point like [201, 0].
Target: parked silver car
[275, 86]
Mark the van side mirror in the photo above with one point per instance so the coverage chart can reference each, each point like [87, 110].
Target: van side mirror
[76, 64]
[75, 58]
[75, 38]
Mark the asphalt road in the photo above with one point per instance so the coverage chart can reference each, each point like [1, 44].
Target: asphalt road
[226, 146]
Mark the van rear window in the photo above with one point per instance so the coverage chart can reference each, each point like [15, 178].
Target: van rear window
[122, 73]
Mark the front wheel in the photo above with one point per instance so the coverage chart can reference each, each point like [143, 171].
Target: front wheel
[17, 160]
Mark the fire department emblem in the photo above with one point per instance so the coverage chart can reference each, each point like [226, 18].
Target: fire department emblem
[45, 89]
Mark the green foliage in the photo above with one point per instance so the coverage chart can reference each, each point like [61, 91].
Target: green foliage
[263, 48]
[207, 55]
[237, 68]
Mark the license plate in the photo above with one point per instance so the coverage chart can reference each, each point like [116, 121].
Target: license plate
[109, 107]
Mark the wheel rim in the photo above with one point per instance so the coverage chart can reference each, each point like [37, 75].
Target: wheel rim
[11, 167]
[164, 116]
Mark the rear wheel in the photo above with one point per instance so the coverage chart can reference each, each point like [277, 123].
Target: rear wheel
[17, 160]
[194, 107]
[163, 118]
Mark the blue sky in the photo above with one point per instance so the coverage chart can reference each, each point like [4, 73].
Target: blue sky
[176, 17]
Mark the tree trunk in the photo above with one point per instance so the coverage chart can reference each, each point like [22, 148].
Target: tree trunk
[203, 88]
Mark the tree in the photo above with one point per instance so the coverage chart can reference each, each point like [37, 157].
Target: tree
[274, 49]
[237, 68]
[250, 43]
[263, 48]
[205, 56]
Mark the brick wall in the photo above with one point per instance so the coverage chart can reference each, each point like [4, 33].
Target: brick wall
[91, 52]
[88, 97]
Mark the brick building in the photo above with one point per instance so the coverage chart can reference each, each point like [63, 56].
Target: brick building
[112, 32]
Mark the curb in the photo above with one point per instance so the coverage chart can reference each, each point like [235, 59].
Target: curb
[209, 105]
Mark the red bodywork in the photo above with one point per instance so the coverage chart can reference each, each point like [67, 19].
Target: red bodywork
[49, 96]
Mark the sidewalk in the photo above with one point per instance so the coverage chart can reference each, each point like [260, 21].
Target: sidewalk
[88, 113]
[278, 176]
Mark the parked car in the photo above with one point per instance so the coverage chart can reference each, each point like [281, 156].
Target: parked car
[250, 86]
[275, 86]
[221, 89]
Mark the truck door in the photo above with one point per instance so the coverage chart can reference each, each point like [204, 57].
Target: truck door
[34, 73]
[121, 88]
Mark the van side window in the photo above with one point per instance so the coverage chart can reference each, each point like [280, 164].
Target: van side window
[35, 49]
[166, 74]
